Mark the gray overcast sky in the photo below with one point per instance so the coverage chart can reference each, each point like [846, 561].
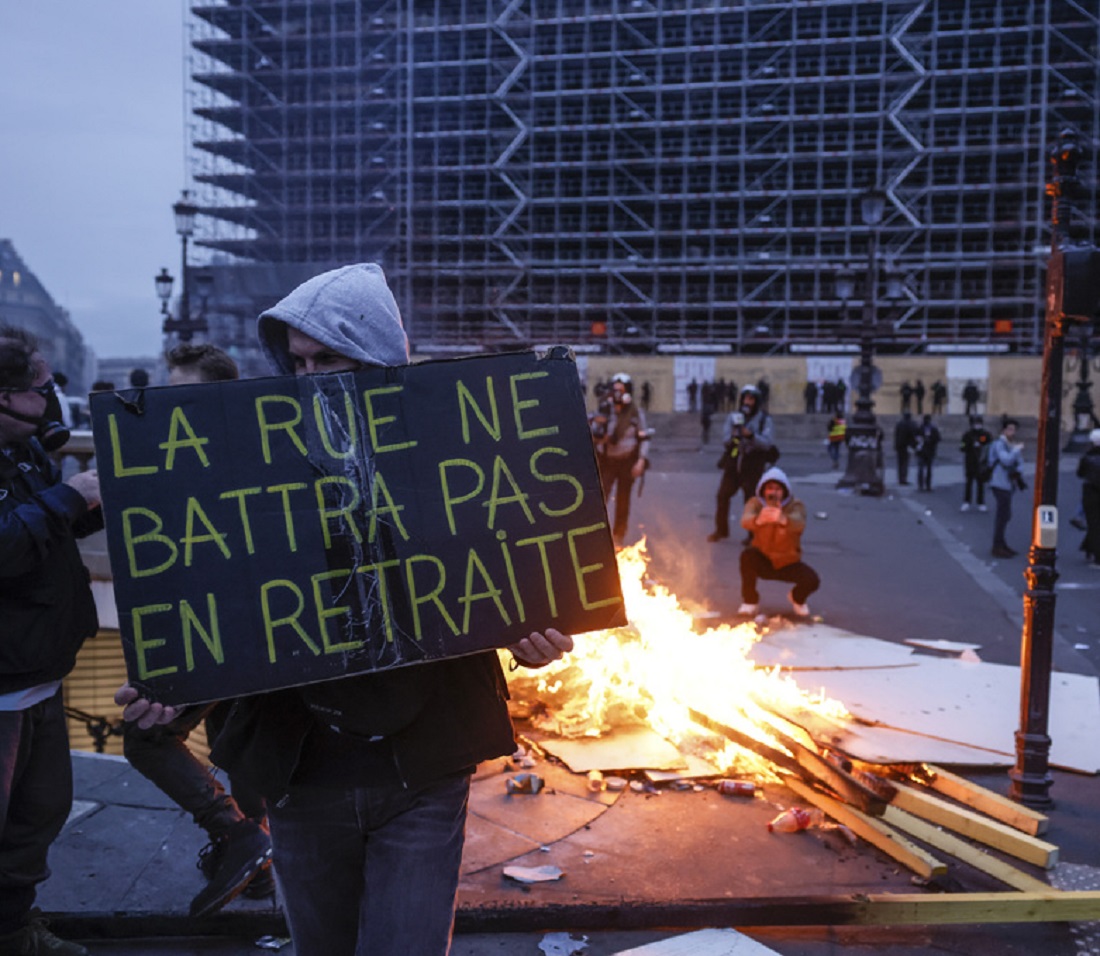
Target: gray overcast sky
[91, 157]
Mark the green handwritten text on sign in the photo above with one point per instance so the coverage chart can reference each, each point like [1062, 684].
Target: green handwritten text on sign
[279, 531]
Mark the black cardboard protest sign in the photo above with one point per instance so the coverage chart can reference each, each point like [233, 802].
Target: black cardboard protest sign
[274, 532]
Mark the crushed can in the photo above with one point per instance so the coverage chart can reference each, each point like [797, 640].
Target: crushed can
[736, 788]
[596, 782]
[525, 783]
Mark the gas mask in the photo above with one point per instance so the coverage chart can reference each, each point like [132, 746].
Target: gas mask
[52, 433]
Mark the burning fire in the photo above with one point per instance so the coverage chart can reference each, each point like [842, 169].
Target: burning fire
[653, 670]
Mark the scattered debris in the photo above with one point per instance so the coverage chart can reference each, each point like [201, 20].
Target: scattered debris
[596, 782]
[533, 874]
[736, 788]
[525, 783]
[563, 944]
[272, 942]
[795, 819]
[821, 515]
[615, 784]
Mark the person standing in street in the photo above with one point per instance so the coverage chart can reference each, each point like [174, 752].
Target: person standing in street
[975, 448]
[1088, 470]
[904, 436]
[622, 445]
[237, 858]
[838, 433]
[748, 447]
[367, 777]
[1007, 458]
[46, 613]
[926, 442]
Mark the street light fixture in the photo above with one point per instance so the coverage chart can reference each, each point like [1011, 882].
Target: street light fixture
[1073, 293]
[185, 324]
[865, 457]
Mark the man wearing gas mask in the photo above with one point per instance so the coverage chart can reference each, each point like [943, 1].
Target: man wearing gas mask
[622, 443]
[46, 613]
[748, 447]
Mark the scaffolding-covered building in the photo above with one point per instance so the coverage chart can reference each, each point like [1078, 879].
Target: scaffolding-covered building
[650, 174]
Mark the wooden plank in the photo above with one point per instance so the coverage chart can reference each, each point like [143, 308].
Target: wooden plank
[949, 843]
[892, 843]
[888, 909]
[977, 827]
[992, 804]
[776, 757]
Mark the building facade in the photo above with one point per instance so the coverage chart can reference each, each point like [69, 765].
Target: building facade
[25, 303]
[651, 175]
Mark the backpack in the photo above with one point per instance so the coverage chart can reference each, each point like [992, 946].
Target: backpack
[986, 465]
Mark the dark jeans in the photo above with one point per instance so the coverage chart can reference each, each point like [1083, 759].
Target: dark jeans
[370, 871]
[971, 483]
[924, 473]
[161, 755]
[36, 794]
[755, 565]
[1090, 501]
[615, 474]
[1003, 499]
[903, 466]
[728, 487]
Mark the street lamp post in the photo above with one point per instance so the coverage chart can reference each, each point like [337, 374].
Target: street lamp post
[1073, 289]
[185, 324]
[865, 457]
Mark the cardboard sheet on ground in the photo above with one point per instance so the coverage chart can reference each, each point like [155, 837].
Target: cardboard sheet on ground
[946, 708]
[275, 532]
[822, 646]
[630, 748]
[703, 942]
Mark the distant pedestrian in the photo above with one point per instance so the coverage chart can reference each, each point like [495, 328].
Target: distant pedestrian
[841, 392]
[809, 395]
[904, 434]
[906, 391]
[1088, 470]
[926, 441]
[939, 397]
[971, 396]
[918, 394]
[776, 520]
[693, 395]
[975, 448]
[706, 415]
[1007, 458]
[765, 391]
[647, 395]
[838, 433]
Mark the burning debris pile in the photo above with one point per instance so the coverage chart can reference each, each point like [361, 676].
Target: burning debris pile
[702, 693]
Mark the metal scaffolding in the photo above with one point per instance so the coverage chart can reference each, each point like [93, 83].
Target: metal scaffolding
[649, 174]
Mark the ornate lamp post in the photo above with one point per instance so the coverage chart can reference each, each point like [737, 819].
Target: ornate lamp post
[185, 325]
[1073, 290]
[865, 458]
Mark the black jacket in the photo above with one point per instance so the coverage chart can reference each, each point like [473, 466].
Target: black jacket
[460, 718]
[46, 606]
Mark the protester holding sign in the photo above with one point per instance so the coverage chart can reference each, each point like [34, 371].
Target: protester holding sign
[236, 858]
[366, 777]
[46, 613]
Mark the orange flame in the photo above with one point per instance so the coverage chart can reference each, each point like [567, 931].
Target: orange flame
[656, 667]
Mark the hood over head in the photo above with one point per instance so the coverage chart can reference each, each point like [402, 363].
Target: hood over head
[774, 474]
[351, 310]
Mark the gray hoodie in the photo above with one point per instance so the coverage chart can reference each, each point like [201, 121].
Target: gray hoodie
[351, 310]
